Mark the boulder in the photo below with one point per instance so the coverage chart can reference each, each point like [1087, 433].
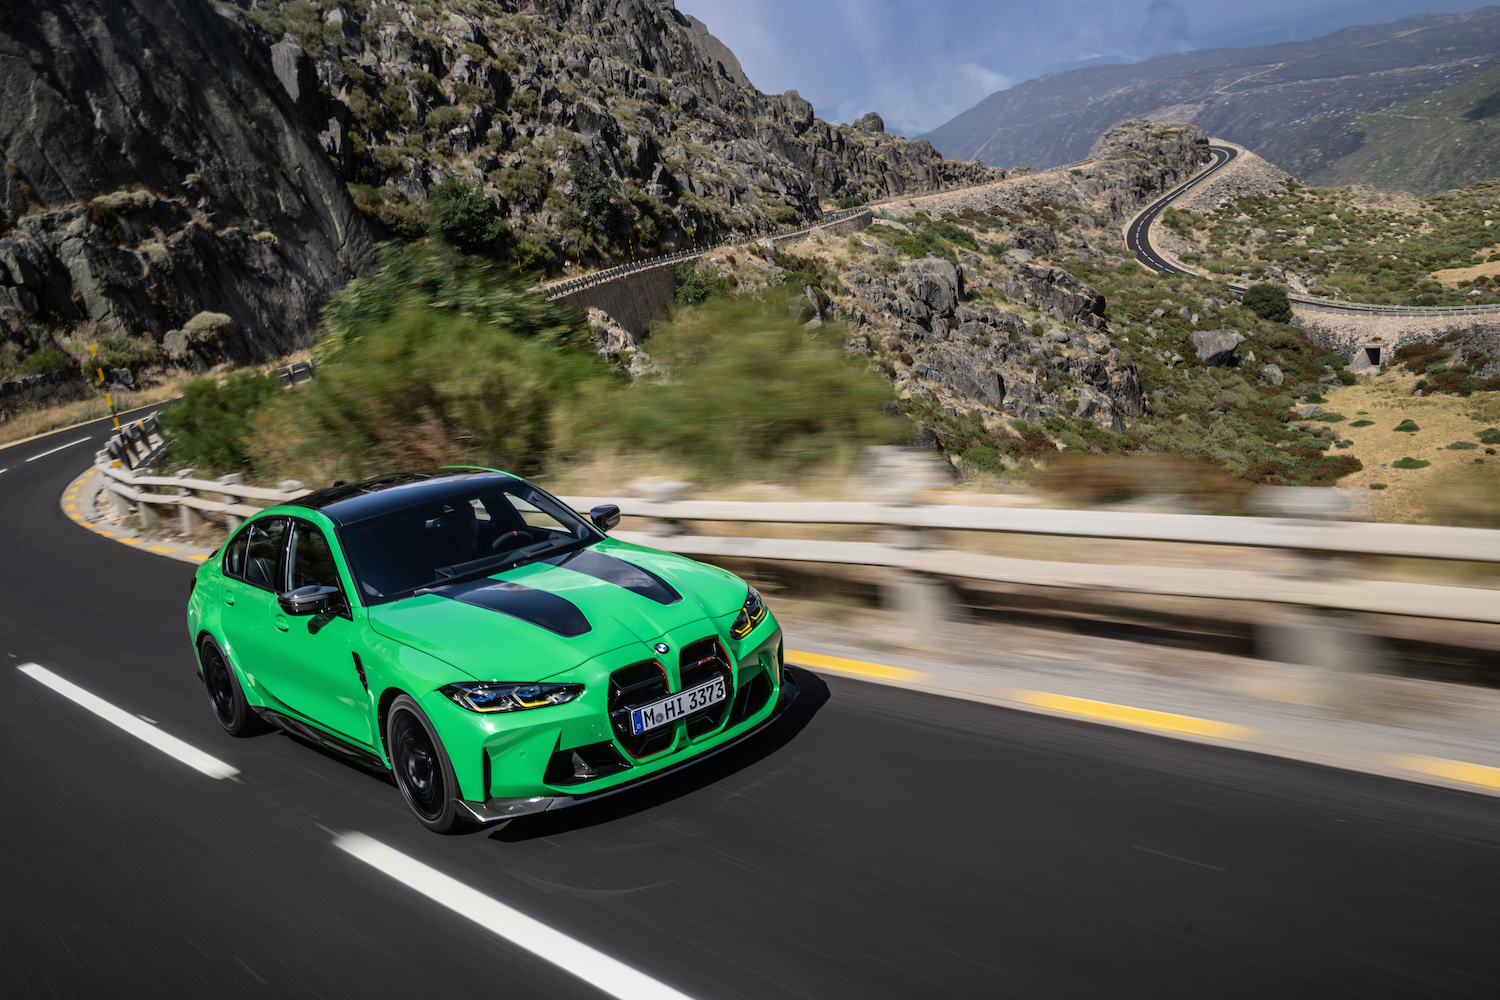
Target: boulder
[1271, 375]
[1310, 411]
[1217, 348]
[871, 122]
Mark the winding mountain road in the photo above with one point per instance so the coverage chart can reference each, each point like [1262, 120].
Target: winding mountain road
[874, 844]
[1138, 235]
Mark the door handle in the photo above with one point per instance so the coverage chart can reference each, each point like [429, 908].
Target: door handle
[281, 623]
[228, 597]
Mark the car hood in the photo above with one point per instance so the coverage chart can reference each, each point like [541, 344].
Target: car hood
[542, 619]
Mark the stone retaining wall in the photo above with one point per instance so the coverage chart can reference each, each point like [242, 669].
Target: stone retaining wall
[59, 386]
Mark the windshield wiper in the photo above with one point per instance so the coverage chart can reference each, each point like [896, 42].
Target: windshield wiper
[519, 557]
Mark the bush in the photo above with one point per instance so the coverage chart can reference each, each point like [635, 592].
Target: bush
[208, 426]
[697, 284]
[1463, 446]
[1490, 435]
[1407, 427]
[1410, 463]
[46, 361]
[1377, 486]
[428, 385]
[1363, 423]
[137, 353]
[1269, 302]
[469, 219]
[751, 393]
[446, 117]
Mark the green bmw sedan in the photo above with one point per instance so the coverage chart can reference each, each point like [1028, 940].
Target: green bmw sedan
[495, 652]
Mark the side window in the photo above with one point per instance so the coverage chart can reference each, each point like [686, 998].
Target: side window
[263, 554]
[234, 554]
[310, 561]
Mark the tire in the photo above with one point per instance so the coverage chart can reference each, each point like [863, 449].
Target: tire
[225, 695]
[421, 767]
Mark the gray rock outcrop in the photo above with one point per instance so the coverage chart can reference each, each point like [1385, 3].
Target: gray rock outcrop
[1217, 348]
[192, 144]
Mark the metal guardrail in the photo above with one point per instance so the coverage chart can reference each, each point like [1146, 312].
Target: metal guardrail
[913, 555]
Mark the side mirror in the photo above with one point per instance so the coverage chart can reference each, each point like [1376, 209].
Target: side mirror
[313, 600]
[605, 516]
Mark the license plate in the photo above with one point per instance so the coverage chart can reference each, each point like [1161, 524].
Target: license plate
[679, 705]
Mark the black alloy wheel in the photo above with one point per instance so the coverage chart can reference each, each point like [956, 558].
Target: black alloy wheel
[421, 767]
[224, 691]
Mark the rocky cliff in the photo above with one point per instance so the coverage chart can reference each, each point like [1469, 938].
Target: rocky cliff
[151, 174]
[602, 128]
[175, 157]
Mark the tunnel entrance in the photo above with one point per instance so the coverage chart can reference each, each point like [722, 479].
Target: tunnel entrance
[1372, 356]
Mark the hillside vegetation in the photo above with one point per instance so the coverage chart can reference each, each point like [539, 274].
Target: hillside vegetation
[1446, 139]
[1353, 243]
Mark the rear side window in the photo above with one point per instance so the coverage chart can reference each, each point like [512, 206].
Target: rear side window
[263, 553]
[234, 554]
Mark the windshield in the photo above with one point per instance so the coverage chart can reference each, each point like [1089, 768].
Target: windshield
[470, 534]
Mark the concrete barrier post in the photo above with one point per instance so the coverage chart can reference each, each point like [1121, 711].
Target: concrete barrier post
[190, 517]
[232, 521]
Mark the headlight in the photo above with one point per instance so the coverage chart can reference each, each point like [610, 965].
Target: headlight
[753, 613]
[489, 697]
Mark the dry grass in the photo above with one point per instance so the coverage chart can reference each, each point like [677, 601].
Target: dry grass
[1453, 275]
[29, 423]
[1443, 419]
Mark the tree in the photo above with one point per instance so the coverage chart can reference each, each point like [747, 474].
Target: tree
[466, 217]
[1268, 301]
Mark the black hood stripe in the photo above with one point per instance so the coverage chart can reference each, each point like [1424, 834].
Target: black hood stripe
[633, 578]
[553, 613]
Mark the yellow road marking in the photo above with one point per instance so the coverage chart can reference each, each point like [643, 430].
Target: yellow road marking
[858, 667]
[71, 506]
[106, 534]
[161, 548]
[131, 541]
[198, 558]
[1452, 770]
[1132, 716]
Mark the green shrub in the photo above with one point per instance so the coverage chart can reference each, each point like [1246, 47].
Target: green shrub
[983, 458]
[46, 361]
[1410, 463]
[137, 353]
[429, 384]
[1330, 418]
[1462, 446]
[1363, 423]
[1407, 427]
[208, 426]
[751, 392]
[1490, 435]
[1377, 486]
[697, 284]
[468, 218]
[1269, 302]
[446, 117]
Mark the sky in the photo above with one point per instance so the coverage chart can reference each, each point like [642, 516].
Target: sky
[921, 62]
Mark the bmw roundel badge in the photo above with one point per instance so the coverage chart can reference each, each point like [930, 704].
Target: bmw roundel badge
[663, 648]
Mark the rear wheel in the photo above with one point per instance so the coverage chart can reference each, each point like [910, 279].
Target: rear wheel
[224, 691]
[421, 766]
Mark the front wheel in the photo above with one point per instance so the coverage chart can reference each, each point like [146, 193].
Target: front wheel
[225, 693]
[421, 767]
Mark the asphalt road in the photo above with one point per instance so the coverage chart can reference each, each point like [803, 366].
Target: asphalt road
[1136, 236]
[873, 844]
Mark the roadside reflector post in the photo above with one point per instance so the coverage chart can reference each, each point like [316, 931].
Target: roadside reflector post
[232, 521]
[190, 517]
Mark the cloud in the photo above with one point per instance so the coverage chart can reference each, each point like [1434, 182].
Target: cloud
[1165, 30]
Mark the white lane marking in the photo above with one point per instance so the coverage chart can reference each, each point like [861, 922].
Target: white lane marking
[593, 967]
[3, 471]
[59, 448]
[169, 745]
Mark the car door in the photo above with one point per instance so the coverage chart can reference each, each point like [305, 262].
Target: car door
[315, 673]
[252, 568]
